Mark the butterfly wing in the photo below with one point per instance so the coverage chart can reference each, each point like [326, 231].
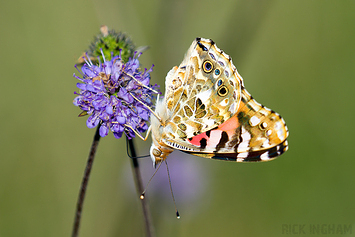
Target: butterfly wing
[207, 112]
[202, 93]
[254, 133]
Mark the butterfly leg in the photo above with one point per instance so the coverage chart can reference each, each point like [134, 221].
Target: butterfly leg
[141, 84]
[150, 109]
[138, 134]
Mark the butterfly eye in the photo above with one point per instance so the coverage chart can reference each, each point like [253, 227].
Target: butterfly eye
[222, 91]
[207, 66]
[217, 72]
[156, 152]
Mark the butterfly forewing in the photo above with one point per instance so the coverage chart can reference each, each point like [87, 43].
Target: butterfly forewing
[203, 92]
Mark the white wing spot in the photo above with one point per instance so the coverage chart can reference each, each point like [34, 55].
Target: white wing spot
[266, 143]
[232, 108]
[208, 122]
[256, 102]
[245, 135]
[204, 96]
[280, 133]
[253, 105]
[264, 124]
[264, 156]
[224, 102]
[264, 111]
[267, 110]
[244, 145]
[254, 121]
[243, 155]
[287, 133]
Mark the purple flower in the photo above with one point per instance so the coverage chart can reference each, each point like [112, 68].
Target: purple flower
[117, 95]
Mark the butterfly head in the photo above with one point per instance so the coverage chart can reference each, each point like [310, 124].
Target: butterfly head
[159, 153]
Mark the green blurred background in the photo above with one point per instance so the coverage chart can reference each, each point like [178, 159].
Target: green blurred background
[296, 57]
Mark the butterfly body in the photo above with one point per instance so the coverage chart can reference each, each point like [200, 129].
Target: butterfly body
[207, 112]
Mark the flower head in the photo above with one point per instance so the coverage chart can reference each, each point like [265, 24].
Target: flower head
[116, 94]
[111, 41]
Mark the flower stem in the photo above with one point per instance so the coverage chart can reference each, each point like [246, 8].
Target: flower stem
[84, 183]
[149, 229]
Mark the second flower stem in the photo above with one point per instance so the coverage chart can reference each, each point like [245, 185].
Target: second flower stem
[149, 229]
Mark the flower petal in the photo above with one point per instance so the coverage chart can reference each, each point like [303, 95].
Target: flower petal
[109, 109]
[103, 130]
[117, 134]
[123, 94]
[92, 121]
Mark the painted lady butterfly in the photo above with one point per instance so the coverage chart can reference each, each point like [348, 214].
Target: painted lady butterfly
[207, 112]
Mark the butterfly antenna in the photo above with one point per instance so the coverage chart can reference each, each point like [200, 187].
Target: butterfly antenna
[171, 190]
[133, 157]
[146, 187]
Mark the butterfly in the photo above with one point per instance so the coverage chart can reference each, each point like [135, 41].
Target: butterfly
[207, 112]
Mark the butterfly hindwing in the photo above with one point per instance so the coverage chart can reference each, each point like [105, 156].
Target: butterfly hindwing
[254, 133]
